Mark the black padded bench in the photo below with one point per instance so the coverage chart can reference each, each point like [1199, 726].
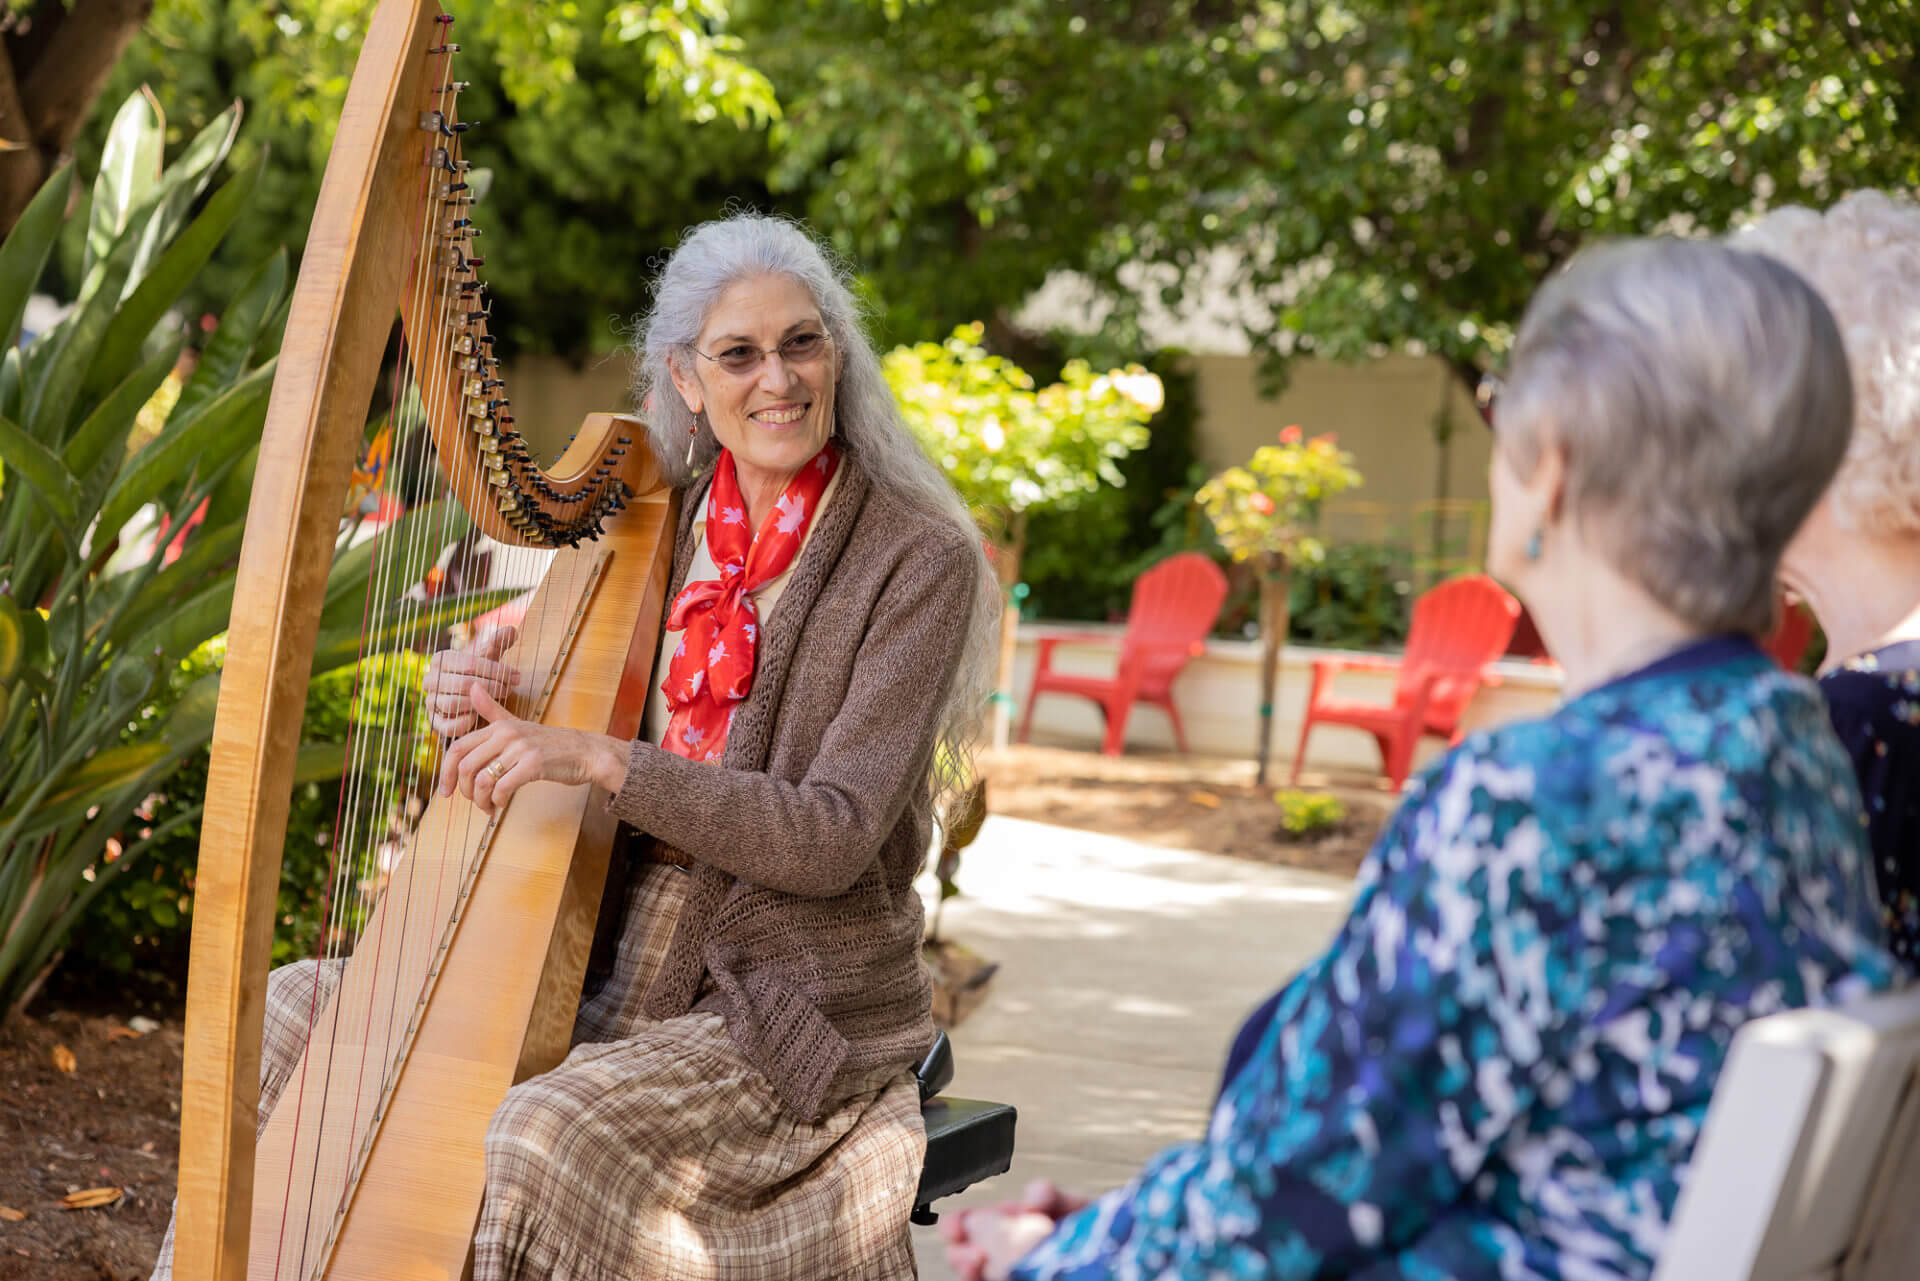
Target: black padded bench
[967, 1140]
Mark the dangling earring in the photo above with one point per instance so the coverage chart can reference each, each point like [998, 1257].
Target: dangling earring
[693, 435]
[1533, 546]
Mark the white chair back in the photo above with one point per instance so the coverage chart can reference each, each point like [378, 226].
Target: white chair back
[1808, 1167]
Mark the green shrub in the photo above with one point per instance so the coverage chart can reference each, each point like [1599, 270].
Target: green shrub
[1304, 813]
[1359, 597]
[1081, 561]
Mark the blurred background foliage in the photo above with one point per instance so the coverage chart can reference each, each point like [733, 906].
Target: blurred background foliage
[1378, 175]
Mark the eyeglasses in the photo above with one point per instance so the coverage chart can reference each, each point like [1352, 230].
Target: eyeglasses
[1484, 396]
[742, 359]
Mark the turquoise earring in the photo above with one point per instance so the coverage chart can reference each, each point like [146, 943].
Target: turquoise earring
[1533, 546]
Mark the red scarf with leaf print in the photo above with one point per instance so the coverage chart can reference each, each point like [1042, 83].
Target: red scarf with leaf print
[712, 671]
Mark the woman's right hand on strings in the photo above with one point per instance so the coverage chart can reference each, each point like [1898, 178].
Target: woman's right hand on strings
[451, 672]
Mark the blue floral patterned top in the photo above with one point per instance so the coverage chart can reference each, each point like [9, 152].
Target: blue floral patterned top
[1874, 700]
[1498, 1067]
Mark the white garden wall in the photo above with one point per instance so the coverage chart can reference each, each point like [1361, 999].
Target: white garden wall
[1219, 699]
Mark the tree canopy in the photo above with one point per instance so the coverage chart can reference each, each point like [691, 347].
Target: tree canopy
[1374, 173]
[1378, 173]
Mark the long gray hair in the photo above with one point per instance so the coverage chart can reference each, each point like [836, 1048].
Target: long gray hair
[867, 420]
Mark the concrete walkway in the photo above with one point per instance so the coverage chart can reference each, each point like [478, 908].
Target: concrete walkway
[1125, 970]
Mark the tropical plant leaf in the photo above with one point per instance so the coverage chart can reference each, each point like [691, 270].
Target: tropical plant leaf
[347, 580]
[234, 490]
[23, 255]
[13, 643]
[183, 182]
[57, 366]
[129, 172]
[224, 428]
[170, 277]
[225, 356]
[10, 380]
[82, 788]
[206, 551]
[342, 645]
[102, 438]
[194, 622]
[34, 463]
[318, 762]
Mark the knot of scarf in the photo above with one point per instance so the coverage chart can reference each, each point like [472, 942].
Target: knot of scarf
[712, 670]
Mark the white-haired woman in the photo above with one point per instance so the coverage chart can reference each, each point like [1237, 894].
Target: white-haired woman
[1857, 559]
[740, 1101]
[1499, 1066]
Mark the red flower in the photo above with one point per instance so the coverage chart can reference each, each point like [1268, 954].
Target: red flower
[1290, 435]
[1261, 503]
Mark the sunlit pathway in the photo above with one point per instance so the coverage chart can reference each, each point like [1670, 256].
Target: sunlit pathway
[1125, 969]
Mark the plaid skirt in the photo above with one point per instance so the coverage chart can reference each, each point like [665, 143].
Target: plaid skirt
[656, 1151]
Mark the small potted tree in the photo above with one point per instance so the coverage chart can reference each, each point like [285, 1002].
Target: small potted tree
[1012, 450]
[1264, 513]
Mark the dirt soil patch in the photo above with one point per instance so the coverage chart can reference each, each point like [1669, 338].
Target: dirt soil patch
[111, 1120]
[1193, 803]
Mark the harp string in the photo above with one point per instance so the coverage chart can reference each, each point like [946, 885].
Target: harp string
[371, 750]
[376, 853]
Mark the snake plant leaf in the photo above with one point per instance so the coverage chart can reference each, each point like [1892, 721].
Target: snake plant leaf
[34, 463]
[23, 255]
[224, 428]
[129, 172]
[148, 304]
[241, 324]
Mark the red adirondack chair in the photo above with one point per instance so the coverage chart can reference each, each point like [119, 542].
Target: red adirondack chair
[1174, 605]
[1458, 628]
[1792, 634]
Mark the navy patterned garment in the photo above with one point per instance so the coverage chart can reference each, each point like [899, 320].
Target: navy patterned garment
[1499, 1066]
[1874, 700]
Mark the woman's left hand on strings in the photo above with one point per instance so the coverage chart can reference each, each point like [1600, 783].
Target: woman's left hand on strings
[490, 764]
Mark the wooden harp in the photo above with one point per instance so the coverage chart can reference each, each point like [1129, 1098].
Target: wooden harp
[469, 980]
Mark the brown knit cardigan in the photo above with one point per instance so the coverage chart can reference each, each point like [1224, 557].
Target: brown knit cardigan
[808, 836]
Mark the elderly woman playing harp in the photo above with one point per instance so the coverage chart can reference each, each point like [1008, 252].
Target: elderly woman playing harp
[740, 1099]
[1499, 1066]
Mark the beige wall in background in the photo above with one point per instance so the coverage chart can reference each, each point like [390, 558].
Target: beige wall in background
[1382, 410]
[551, 395]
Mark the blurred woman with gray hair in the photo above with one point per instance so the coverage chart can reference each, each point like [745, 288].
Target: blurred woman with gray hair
[1499, 1066]
[1856, 560]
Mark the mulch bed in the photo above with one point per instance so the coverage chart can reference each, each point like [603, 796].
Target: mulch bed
[113, 1121]
[1190, 803]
